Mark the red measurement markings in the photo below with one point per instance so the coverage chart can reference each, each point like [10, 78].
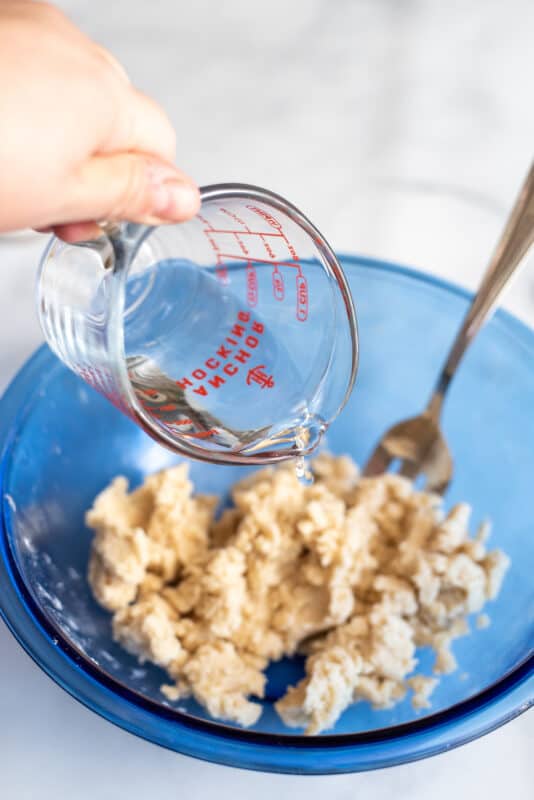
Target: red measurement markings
[214, 244]
[206, 222]
[221, 270]
[268, 248]
[292, 251]
[262, 261]
[242, 246]
[302, 298]
[278, 285]
[269, 219]
[252, 285]
[302, 306]
[274, 223]
[234, 216]
[248, 232]
[243, 243]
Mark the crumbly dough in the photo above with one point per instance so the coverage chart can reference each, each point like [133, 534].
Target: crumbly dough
[354, 572]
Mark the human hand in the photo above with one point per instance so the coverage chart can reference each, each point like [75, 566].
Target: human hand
[78, 143]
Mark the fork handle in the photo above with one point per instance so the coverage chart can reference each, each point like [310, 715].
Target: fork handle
[514, 243]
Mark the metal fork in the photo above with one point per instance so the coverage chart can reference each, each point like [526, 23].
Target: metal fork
[418, 443]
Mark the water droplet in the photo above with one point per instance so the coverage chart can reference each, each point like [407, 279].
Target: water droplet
[303, 472]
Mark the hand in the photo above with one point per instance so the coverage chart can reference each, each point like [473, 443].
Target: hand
[78, 142]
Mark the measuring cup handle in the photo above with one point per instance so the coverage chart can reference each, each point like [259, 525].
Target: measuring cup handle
[117, 242]
[73, 303]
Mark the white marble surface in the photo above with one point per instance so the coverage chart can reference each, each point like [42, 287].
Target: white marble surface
[403, 130]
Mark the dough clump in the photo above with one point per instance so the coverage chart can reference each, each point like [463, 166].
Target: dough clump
[355, 573]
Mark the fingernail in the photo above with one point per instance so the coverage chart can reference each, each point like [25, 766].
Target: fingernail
[175, 200]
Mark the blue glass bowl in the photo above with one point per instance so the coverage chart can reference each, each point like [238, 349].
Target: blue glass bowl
[62, 443]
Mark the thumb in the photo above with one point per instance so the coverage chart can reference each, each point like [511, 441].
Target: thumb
[130, 186]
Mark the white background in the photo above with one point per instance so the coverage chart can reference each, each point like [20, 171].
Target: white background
[317, 100]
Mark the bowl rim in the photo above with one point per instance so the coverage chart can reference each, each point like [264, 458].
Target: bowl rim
[25, 618]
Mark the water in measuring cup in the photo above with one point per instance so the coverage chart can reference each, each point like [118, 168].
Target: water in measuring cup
[206, 366]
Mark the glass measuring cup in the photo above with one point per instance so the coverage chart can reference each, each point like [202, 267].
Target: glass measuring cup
[230, 338]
